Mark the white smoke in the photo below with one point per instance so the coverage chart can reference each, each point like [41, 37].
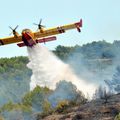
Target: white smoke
[48, 70]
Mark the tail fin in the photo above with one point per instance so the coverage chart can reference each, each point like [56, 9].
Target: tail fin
[78, 25]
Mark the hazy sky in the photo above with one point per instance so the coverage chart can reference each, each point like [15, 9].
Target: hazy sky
[101, 20]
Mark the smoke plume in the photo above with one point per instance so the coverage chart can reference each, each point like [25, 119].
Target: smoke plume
[48, 70]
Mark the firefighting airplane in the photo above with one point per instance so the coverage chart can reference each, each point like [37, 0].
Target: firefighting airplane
[29, 38]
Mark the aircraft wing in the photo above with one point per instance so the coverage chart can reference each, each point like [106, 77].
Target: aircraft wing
[58, 30]
[10, 40]
[40, 40]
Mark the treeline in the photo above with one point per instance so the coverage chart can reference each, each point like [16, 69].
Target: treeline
[94, 50]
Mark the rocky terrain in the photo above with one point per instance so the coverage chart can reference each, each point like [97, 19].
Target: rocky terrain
[93, 110]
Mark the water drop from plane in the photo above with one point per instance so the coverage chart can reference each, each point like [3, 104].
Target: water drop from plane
[48, 70]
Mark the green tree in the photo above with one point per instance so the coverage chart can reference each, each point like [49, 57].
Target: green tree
[36, 98]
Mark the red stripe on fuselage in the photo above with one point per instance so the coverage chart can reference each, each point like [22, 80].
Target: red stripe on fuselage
[27, 39]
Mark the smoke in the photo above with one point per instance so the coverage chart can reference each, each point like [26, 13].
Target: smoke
[48, 70]
[91, 70]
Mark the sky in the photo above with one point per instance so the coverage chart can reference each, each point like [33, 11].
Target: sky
[101, 21]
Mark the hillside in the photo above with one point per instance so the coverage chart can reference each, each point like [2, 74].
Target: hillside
[14, 79]
[93, 110]
[96, 62]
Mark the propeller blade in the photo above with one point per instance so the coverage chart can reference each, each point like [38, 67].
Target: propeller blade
[11, 33]
[16, 27]
[10, 28]
[13, 30]
[42, 26]
[40, 22]
[37, 29]
[39, 25]
[35, 24]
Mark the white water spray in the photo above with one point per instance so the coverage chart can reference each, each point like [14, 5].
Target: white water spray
[48, 70]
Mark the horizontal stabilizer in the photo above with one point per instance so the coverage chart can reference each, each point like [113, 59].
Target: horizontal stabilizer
[43, 40]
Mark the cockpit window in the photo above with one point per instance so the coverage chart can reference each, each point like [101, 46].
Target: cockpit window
[27, 30]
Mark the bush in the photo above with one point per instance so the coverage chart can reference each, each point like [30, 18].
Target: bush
[36, 98]
[46, 110]
[117, 117]
[46, 107]
[7, 107]
[66, 91]
[62, 106]
[103, 94]
[1, 118]
[18, 106]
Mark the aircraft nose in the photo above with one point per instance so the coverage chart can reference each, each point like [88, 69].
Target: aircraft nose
[23, 34]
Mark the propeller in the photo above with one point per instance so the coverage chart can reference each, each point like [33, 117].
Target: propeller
[13, 30]
[40, 26]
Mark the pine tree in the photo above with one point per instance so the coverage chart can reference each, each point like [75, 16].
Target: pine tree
[114, 84]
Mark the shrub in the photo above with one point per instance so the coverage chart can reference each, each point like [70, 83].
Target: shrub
[46, 107]
[62, 106]
[18, 106]
[117, 117]
[1, 118]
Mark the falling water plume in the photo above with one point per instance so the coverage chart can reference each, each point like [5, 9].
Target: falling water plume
[48, 70]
